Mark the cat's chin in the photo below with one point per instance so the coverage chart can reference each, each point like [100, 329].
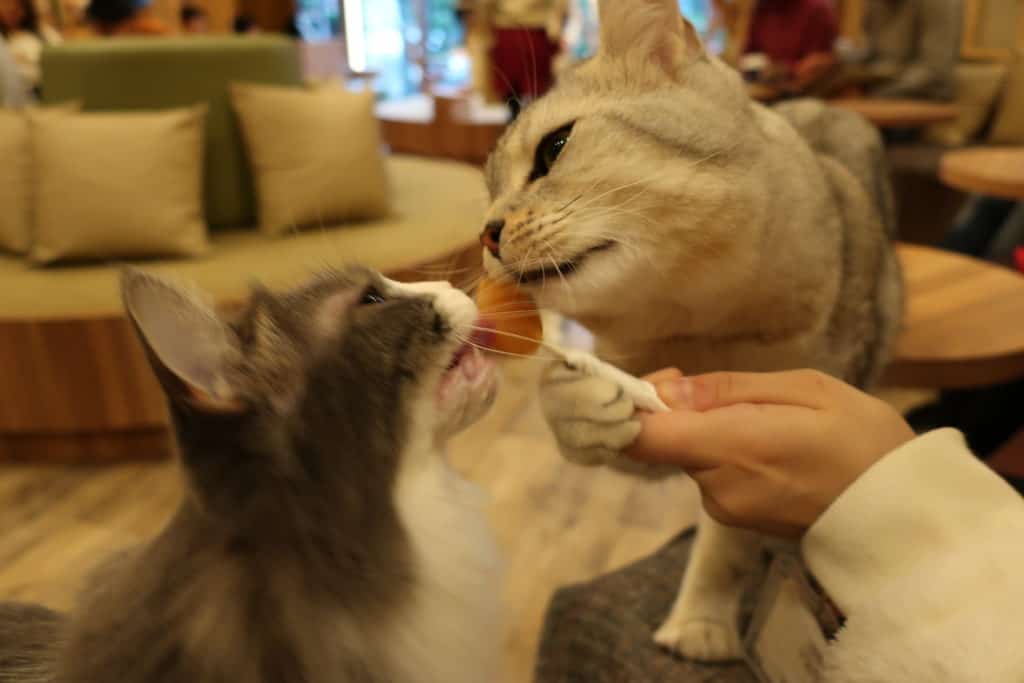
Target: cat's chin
[466, 390]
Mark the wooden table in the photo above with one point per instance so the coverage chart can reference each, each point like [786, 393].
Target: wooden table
[964, 324]
[992, 171]
[886, 113]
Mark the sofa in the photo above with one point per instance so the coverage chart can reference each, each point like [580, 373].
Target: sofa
[76, 386]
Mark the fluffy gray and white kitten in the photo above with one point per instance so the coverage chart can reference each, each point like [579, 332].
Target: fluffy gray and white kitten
[648, 197]
[322, 538]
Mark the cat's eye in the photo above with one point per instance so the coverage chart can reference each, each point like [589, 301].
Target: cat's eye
[548, 151]
[371, 297]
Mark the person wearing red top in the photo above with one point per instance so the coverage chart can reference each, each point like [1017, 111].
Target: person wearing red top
[788, 31]
[795, 34]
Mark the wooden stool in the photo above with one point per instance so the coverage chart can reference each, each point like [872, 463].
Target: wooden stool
[992, 171]
[964, 323]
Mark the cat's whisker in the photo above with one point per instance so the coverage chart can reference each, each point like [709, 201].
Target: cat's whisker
[508, 83]
[520, 356]
[570, 203]
[565, 283]
[554, 348]
[625, 186]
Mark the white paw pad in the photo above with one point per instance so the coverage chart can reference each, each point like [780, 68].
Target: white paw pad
[701, 640]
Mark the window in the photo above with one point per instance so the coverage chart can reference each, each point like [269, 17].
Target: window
[406, 42]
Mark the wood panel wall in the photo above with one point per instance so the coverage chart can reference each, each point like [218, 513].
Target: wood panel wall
[992, 29]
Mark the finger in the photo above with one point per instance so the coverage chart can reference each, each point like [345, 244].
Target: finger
[685, 439]
[697, 441]
[805, 388]
[664, 375]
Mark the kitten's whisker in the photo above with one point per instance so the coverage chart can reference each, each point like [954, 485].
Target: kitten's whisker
[521, 356]
[554, 348]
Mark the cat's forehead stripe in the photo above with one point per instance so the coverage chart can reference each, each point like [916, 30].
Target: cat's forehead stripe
[691, 145]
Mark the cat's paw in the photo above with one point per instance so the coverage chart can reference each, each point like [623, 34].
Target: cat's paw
[702, 640]
[592, 417]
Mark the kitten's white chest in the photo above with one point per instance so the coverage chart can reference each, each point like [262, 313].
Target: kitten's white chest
[452, 630]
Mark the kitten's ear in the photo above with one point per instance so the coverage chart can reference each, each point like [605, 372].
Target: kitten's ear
[648, 33]
[184, 339]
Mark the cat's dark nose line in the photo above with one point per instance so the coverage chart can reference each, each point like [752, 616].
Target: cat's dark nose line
[491, 237]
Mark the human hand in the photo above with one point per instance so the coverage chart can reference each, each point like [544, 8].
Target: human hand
[770, 452]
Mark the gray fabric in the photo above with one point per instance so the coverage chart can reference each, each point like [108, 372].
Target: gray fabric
[12, 92]
[920, 41]
[602, 631]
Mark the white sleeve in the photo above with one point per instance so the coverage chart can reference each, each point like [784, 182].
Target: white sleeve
[924, 554]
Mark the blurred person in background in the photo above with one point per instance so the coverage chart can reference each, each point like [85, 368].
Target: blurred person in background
[121, 18]
[194, 20]
[797, 37]
[524, 42]
[244, 25]
[912, 48]
[25, 36]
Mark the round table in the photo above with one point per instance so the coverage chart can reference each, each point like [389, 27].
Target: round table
[964, 324]
[992, 171]
[886, 113]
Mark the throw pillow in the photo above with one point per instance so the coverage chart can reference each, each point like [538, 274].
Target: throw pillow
[315, 155]
[16, 178]
[118, 184]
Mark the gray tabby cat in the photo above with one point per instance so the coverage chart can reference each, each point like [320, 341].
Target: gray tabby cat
[322, 538]
[649, 198]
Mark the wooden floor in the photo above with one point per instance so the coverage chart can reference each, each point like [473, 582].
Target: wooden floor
[557, 523]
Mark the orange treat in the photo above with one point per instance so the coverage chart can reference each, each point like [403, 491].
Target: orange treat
[513, 316]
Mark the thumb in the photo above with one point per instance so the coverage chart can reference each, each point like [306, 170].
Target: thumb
[676, 392]
[679, 438]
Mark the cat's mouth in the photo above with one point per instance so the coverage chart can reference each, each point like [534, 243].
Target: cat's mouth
[468, 385]
[564, 269]
[470, 351]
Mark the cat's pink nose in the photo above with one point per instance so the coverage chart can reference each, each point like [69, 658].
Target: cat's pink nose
[491, 237]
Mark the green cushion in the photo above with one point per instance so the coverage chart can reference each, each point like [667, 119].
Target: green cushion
[160, 73]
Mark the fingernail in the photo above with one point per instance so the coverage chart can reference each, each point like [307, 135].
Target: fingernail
[677, 393]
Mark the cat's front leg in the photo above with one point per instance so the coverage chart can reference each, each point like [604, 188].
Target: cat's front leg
[704, 621]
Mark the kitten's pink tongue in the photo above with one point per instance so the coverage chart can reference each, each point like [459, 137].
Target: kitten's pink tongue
[483, 336]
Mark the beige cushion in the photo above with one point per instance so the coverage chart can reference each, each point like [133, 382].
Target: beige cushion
[1008, 126]
[113, 185]
[315, 155]
[978, 85]
[16, 179]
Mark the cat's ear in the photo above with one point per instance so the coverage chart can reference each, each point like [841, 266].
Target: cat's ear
[185, 341]
[648, 33]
